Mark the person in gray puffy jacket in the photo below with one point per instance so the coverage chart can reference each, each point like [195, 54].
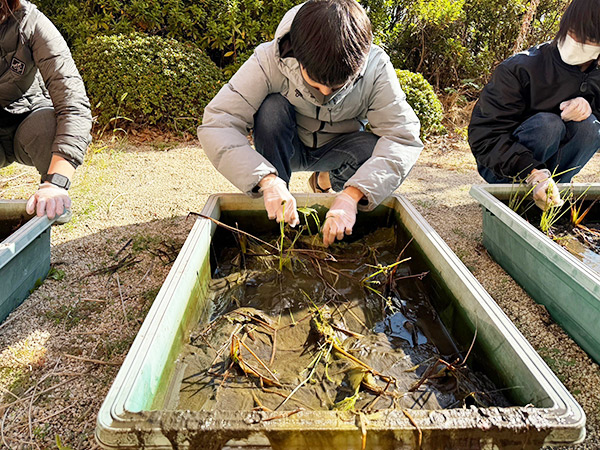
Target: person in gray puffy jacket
[307, 96]
[45, 117]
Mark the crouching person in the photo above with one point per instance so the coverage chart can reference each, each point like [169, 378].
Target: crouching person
[45, 117]
[307, 96]
[539, 113]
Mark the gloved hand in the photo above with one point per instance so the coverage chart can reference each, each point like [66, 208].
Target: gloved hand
[339, 219]
[576, 109]
[279, 202]
[50, 200]
[545, 191]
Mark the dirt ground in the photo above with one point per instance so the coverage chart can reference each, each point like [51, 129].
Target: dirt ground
[62, 348]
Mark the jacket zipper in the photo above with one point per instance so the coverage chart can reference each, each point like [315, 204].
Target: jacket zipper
[315, 140]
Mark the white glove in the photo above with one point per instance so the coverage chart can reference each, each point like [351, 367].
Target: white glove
[339, 219]
[545, 191]
[50, 200]
[279, 203]
[576, 109]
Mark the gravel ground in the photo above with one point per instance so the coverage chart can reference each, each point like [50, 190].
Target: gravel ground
[61, 349]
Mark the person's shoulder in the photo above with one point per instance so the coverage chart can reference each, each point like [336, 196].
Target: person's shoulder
[28, 10]
[29, 17]
[266, 52]
[378, 54]
[377, 59]
[530, 57]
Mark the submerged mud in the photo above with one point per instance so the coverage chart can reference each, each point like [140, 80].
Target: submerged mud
[7, 227]
[580, 237]
[584, 244]
[346, 328]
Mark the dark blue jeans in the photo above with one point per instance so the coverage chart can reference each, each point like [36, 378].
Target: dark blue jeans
[560, 145]
[276, 138]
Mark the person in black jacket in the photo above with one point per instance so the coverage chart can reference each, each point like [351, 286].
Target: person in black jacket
[538, 116]
[45, 116]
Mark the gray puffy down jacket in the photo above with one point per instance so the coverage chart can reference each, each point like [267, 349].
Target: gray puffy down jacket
[37, 70]
[375, 98]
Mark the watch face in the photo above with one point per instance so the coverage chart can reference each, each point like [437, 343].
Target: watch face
[58, 180]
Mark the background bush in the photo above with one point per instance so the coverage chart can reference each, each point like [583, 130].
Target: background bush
[222, 28]
[421, 96]
[448, 41]
[148, 79]
[452, 42]
[455, 44]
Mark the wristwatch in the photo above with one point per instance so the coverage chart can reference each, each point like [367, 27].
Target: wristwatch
[58, 180]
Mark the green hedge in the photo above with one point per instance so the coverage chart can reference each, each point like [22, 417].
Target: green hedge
[148, 79]
[421, 96]
[224, 29]
[448, 41]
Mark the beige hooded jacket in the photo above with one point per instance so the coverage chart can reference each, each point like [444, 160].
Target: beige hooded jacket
[375, 97]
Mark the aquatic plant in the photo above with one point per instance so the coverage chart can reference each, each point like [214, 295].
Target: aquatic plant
[369, 280]
[575, 206]
[515, 199]
[310, 213]
[549, 218]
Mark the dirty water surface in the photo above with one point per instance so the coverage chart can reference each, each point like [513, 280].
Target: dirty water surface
[7, 227]
[581, 239]
[350, 327]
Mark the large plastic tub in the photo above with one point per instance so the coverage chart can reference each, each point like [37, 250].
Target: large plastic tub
[552, 276]
[24, 253]
[137, 412]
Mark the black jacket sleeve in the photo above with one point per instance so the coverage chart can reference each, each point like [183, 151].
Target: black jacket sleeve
[501, 108]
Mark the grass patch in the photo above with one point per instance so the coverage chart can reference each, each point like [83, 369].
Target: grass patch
[56, 274]
[150, 295]
[69, 316]
[15, 379]
[553, 358]
[111, 348]
[18, 363]
[143, 243]
[97, 170]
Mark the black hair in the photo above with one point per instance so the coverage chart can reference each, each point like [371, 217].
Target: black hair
[582, 19]
[331, 40]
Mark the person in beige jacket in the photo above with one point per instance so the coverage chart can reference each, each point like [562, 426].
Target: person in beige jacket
[318, 97]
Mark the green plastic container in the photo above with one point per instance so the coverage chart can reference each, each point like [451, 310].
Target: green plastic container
[24, 253]
[138, 411]
[552, 276]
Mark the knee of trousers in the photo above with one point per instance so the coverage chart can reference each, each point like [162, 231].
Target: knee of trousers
[274, 115]
[34, 138]
[549, 128]
[587, 132]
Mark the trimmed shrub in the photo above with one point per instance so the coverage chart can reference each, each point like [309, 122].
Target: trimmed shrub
[449, 41]
[224, 29]
[148, 79]
[421, 96]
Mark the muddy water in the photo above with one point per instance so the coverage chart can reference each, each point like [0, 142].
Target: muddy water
[327, 331]
[7, 227]
[586, 249]
[582, 242]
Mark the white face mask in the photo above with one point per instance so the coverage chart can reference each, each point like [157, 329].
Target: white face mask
[575, 53]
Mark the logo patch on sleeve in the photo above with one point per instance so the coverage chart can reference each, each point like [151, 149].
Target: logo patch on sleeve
[17, 66]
